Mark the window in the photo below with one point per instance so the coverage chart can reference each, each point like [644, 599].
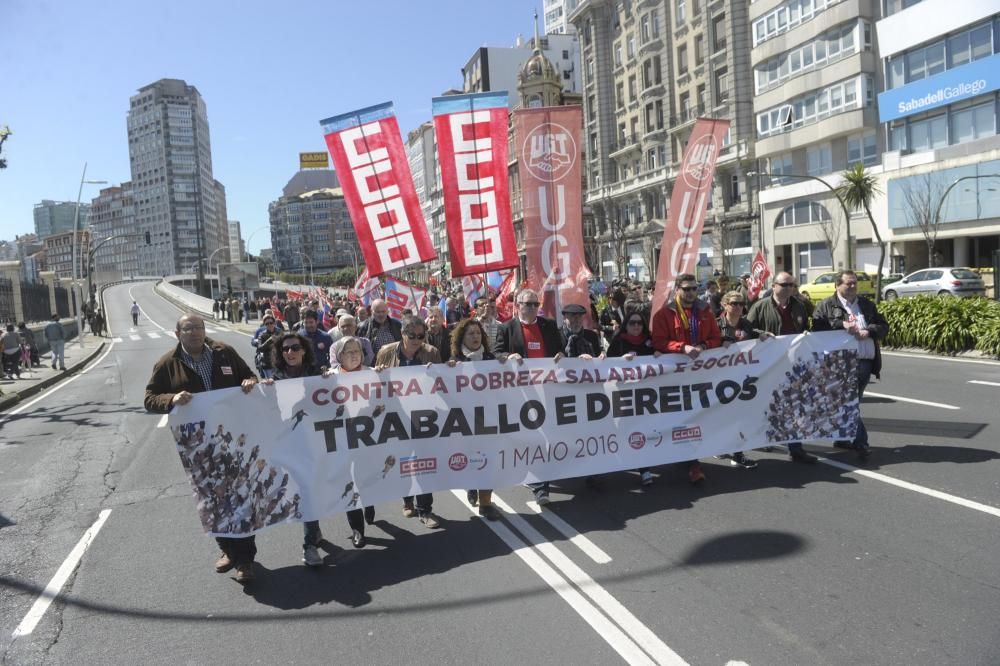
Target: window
[802, 212]
[682, 59]
[719, 33]
[862, 149]
[925, 62]
[735, 194]
[681, 14]
[811, 108]
[657, 78]
[819, 160]
[618, 55]
[630, 50]
[685, 107]
[780, 165]
[972, 123]
[565, 54]
[654, 22]
[721, 85]
[970, 45]
[929, 133]
[631, 88]
[699, 49]
[787, 16]
[620, 95]
[702, 98]
[644, 32]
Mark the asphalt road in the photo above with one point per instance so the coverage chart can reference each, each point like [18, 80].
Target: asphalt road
[898, 563]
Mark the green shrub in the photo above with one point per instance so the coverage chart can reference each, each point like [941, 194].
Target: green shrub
[943, 324]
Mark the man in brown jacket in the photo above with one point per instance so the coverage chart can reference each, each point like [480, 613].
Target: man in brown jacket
[198, 364]
[412, 350]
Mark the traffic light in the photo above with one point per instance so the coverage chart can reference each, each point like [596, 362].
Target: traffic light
[149, 241]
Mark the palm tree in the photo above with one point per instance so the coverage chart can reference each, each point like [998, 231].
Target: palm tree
[857, 191]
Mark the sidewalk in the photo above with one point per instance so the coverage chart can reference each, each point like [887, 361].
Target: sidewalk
[35, 380]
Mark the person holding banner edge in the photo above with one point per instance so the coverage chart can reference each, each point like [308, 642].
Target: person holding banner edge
[529, 336]
[686, 325]
[196, 365]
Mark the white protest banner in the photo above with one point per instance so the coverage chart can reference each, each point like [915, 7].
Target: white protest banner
[304, 449]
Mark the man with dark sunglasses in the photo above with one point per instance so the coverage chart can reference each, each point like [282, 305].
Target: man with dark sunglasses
[686, 325]
[529, 336]
[783, 314]
[412, 350]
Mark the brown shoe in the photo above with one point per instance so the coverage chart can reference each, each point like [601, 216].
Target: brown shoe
[244, 573]
[223, 564]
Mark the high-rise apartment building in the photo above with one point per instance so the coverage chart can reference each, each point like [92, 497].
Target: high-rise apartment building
[236, 247]
[421, 151]
[815, 76]
[311, 227]
[495, 68]
[56, 217]
[556, 14]
[940, 103]
[176, 198]
[112, 214]
[650, 69]
[59, 253]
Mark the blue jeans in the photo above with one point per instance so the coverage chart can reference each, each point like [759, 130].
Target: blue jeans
[58, 352]
[865, 366]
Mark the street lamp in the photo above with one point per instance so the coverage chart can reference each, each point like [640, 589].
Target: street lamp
[937, 214]
[217, 278]
[252, 234]
[847, 215]
[76, 225]
[312, 279]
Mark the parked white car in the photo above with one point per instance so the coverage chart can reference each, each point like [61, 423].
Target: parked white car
[943, 281]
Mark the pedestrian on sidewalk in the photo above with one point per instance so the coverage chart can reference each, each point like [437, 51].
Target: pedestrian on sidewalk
[10, 342]
[28, 339]
[55, 335]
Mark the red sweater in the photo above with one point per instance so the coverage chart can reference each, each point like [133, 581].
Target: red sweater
[670, 334]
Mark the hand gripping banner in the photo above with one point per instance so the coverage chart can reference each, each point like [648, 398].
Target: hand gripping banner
[548, 155]
[688, 203]
[374, 173]
[471, 133]
[302, 449]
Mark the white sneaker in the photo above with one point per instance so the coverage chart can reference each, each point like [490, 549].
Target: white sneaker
[646, 478]
[311, 557]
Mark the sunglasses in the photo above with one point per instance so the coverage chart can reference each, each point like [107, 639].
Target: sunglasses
[294, 348]
[416, 336]
[530, 304]
[689, 288]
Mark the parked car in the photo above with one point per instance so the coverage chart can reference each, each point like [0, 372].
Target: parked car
[891, 277]
[943, 281]
[825, 284]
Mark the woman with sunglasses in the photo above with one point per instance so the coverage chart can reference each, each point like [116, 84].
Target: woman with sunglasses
[633, 339]
[293, 359]
[735, 327]
[469, 342]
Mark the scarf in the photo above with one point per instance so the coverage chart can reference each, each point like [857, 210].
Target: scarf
[691, 324]
[638, 340]
[473, 355]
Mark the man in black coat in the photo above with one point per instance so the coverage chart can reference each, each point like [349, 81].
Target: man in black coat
[529, 336]
[578, 341]
[857, 315]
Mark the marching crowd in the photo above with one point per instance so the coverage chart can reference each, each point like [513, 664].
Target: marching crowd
[305, 340]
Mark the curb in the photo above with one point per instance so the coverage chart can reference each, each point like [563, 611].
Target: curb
[8, 400]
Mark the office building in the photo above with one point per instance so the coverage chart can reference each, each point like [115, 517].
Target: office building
[116, 242]
[555, 14]
[493, 68]
[56, 217]
[236, 248]
[176, 198]
[941, 171]
[311, 229]
[815, 75]
[59, 253]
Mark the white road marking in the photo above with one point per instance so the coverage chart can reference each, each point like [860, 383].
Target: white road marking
[623, 617]
[624, 645]
[897, 398]
[984, 383]
[58, 386]
[55, 585]
[150, 319]
[211, 331]
[589, 548]
[924, 357]
[162, 423]
[153, 335]
[135, 337]
[930, 492]
[117, 339]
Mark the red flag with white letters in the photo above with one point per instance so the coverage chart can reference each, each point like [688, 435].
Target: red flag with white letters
[471, 132]
[374, 174]
[548, 155]
[759, 272]
[688, 203]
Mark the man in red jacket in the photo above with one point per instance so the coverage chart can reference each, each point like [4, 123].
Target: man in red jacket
[686, 325]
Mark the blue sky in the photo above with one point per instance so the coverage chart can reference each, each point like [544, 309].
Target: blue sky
[268, 72]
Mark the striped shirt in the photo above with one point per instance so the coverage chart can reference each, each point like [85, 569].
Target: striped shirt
[203, 366]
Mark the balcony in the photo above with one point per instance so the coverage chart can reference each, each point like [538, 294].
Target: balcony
[652, 45]
[654, 133]
[654, 90]
[624, 146]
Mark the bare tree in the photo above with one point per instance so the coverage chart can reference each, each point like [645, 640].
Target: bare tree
[921, 199]
[829, 227]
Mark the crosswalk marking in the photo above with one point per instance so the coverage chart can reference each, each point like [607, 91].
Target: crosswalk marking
[153, 335]
[983, 382]
[211, 331]
[135, 337]
[117, 339]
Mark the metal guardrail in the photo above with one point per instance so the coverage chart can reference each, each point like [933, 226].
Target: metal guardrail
[62, 302]
[35, 302]
[7, 313]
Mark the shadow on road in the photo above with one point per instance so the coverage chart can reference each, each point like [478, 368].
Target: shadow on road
[947, 429]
